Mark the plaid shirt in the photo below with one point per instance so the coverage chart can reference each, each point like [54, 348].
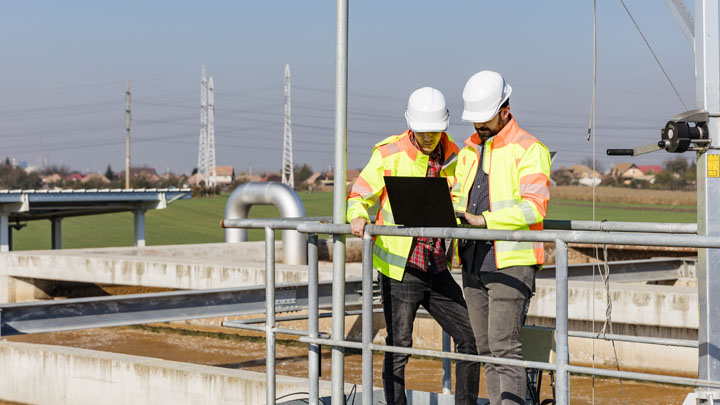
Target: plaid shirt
[429, 252]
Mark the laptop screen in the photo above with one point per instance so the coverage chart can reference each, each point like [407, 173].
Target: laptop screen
[420, 201]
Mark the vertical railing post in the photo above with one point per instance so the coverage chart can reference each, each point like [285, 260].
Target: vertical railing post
[314, 349]
[367, 318]
[561, 322]
[270, 315]
[339, 195]
[447, 365]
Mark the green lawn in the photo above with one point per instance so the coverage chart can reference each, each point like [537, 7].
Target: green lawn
[197, 221]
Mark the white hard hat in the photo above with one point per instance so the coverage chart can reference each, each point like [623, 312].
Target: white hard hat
[427, 111]
[483, 95]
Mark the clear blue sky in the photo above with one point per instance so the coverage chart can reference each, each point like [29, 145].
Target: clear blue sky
[65, 65]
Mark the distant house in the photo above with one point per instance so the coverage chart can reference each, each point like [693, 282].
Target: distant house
[315, 177]
[647, 169]
[223, 175]
[351, 176]
[74, 177]
[272, 177]
[583, 172]
[193, 180]
[626, 171]
[95, 177]
[51, 178]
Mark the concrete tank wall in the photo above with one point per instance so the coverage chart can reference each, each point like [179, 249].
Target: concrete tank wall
[41, 374]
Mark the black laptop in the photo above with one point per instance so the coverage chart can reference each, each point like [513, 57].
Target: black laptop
[420, 201]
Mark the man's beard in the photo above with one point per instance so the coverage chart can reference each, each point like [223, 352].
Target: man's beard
[485, 133]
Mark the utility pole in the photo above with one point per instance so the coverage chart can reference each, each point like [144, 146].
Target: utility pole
[127, 137]
[202, 166]
[212, 174]
[287, 170]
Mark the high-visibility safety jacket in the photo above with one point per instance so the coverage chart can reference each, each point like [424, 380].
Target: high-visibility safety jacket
[518, 169]
[394, 156]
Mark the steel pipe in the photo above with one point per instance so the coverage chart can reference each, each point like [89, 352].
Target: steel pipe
[608, 226]
[275, 223]
[314, 349]
[273, 193]
[367, 319]
[562, 354]
[270, 315]
[446, 365]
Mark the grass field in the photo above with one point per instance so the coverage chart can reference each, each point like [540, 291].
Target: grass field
[197, 220]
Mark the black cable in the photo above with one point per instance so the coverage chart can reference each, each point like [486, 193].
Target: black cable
[653, 54]
[291, 394]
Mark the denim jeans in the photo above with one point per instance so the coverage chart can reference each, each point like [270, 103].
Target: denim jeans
[497, 303]
[442, 297]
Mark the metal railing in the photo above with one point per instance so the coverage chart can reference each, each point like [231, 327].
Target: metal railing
[654, 235]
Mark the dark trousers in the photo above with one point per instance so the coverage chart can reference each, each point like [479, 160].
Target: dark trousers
[442, 297]
[498, 302]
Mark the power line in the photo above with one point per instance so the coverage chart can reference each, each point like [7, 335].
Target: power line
[653, 54]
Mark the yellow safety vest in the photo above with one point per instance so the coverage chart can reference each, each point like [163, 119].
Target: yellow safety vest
[394, 156]
[518, 169]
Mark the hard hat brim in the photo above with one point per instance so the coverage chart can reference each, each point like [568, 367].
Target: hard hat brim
[481, 116]
[428, 126]
[419, 126]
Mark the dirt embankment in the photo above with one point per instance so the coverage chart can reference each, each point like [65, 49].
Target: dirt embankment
[624, 195]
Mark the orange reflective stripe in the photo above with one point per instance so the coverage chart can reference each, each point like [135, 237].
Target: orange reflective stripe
[525, 140]
[535, 178]
[539, 252]
[361, 188]
[388, 149]
[387, 172]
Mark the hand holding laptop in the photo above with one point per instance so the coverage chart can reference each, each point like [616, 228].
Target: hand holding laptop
[467, 218]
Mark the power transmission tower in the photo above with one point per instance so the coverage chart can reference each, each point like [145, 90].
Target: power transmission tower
[202, 164]
[210, 148]
[287, 171]
[127, 137]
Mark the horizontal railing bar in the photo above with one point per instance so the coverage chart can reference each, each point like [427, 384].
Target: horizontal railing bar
[257, 328]
[303, 317]
[555, 224]
[133, 309]
[617, 238]
[635, 339]
[527, 364]
[666, 268]
[461, 356]
[273, 223]
[608, 226]
[331, 342]
[630, 375]
[433, 353]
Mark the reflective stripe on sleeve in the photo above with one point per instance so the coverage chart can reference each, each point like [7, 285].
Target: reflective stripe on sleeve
[528, 212]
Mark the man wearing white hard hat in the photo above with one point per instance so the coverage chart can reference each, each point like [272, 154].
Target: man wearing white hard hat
[501, 182]
[414, 271]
